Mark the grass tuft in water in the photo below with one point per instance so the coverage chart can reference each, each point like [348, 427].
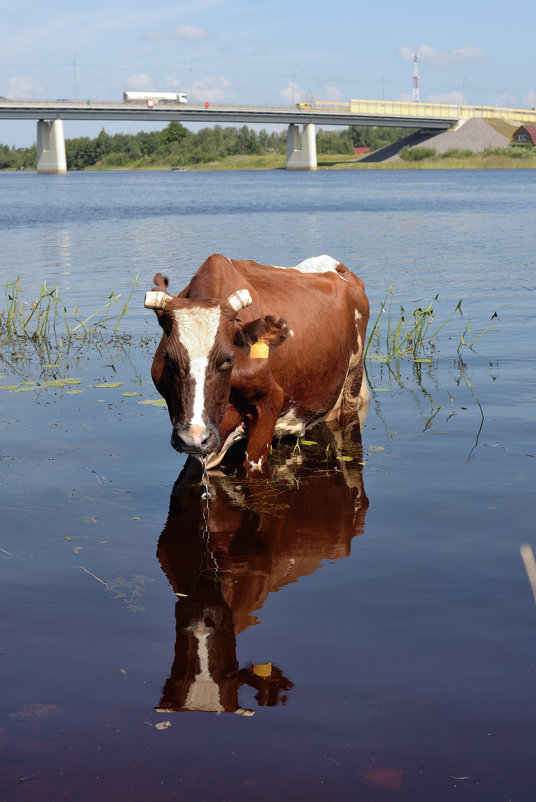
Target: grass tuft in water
[410, 334]
[41, 338]
[406, 334]
[45, 319]
[400, 337]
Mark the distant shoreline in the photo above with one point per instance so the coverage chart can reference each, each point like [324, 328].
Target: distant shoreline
[325, 162]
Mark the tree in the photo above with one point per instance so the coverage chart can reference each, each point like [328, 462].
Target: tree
[102, 144]
[173, 132]
[376, 137]
[333, 142]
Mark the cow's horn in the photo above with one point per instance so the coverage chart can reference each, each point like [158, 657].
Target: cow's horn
[239, 300]
[156, 299]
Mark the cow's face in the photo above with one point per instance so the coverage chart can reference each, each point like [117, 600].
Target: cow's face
[193, 372]
[193, 365]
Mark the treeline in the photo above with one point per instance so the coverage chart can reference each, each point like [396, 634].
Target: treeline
[176, 146]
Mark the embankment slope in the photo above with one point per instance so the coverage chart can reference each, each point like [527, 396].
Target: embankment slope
[474, 134]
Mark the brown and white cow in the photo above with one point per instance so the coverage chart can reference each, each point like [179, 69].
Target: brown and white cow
[254, 351]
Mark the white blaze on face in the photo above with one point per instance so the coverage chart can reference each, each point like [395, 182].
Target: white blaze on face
[197, 332]
[204, 693]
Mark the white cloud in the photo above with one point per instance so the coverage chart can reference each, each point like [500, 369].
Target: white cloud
[191, 32]
[332, 93]
[212, 88]
[184, 32]
[21, 88]
[290, 93]
[513, 101]
[140, 82]
[454, 98]
[440, 58]
[406, 52]
[530, 99]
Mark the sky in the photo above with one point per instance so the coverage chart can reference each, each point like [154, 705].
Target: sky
[267, 52]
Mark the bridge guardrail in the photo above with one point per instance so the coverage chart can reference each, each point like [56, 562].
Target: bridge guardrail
[438, 110]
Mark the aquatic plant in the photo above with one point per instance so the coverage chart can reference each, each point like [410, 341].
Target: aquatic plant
[46, 318]
[37, 318]
[410, 335]
[40, 339]
[400, 338]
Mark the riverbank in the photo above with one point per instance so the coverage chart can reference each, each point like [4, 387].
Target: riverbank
[491, 159]
[341, 161]
[345, 161]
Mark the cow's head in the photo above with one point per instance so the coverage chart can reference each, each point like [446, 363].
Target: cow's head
[193, 366]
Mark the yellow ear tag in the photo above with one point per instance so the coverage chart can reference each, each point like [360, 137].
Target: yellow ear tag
[262, 670]
[259, 350]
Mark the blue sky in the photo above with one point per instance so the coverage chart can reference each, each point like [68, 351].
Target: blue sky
[267, 52]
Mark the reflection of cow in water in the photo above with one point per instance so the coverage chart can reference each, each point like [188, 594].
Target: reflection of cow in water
[222, 561]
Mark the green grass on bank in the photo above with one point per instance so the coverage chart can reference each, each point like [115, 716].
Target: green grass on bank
[476, 162]
[345, 161]
[263, 161]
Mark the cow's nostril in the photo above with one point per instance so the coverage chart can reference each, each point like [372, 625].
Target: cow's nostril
[196, 440]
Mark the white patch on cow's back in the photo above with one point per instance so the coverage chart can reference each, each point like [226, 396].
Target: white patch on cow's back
[197, 333]
[316, 264]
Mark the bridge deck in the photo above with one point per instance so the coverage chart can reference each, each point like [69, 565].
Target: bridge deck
[164, 112]
[352, 112]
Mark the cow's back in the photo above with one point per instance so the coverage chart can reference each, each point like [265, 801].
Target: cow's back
[326, 312]
[308, 301]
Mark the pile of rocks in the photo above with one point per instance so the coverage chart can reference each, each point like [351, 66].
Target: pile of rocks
[474, 134]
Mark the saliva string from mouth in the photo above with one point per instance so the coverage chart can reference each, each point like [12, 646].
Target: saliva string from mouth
[205, 497]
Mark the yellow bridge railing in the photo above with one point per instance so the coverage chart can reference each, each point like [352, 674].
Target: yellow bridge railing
[433, 110]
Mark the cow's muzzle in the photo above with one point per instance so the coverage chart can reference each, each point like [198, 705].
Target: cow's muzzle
[196, 439]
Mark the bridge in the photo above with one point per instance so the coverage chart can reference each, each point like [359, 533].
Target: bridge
[301, 144]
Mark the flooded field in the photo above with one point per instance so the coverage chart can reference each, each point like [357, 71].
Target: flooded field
[361, 624]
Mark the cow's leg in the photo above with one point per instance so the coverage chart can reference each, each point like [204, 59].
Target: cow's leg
[355, 395]
[260, 428]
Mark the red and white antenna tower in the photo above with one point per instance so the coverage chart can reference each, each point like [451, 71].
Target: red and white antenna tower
[415, 92]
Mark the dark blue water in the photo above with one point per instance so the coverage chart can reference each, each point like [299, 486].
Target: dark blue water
[387, 592]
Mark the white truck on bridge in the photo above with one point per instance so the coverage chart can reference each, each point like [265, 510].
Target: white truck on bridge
[156, 97]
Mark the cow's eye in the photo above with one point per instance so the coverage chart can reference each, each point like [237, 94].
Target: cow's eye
[226, 363]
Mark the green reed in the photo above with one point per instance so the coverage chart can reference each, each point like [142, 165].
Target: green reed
[46, 318]
[36, 319]
[398, 334]
[406, 334]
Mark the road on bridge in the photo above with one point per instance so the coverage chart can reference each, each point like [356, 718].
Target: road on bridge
[340, 114]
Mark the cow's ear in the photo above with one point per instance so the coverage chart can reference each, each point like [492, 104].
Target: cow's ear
[273, 331]
[165, 320]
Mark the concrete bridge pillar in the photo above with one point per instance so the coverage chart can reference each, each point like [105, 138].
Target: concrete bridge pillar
[301, 147]
[51, 147]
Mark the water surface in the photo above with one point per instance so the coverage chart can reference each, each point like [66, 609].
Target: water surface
[386, 591]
